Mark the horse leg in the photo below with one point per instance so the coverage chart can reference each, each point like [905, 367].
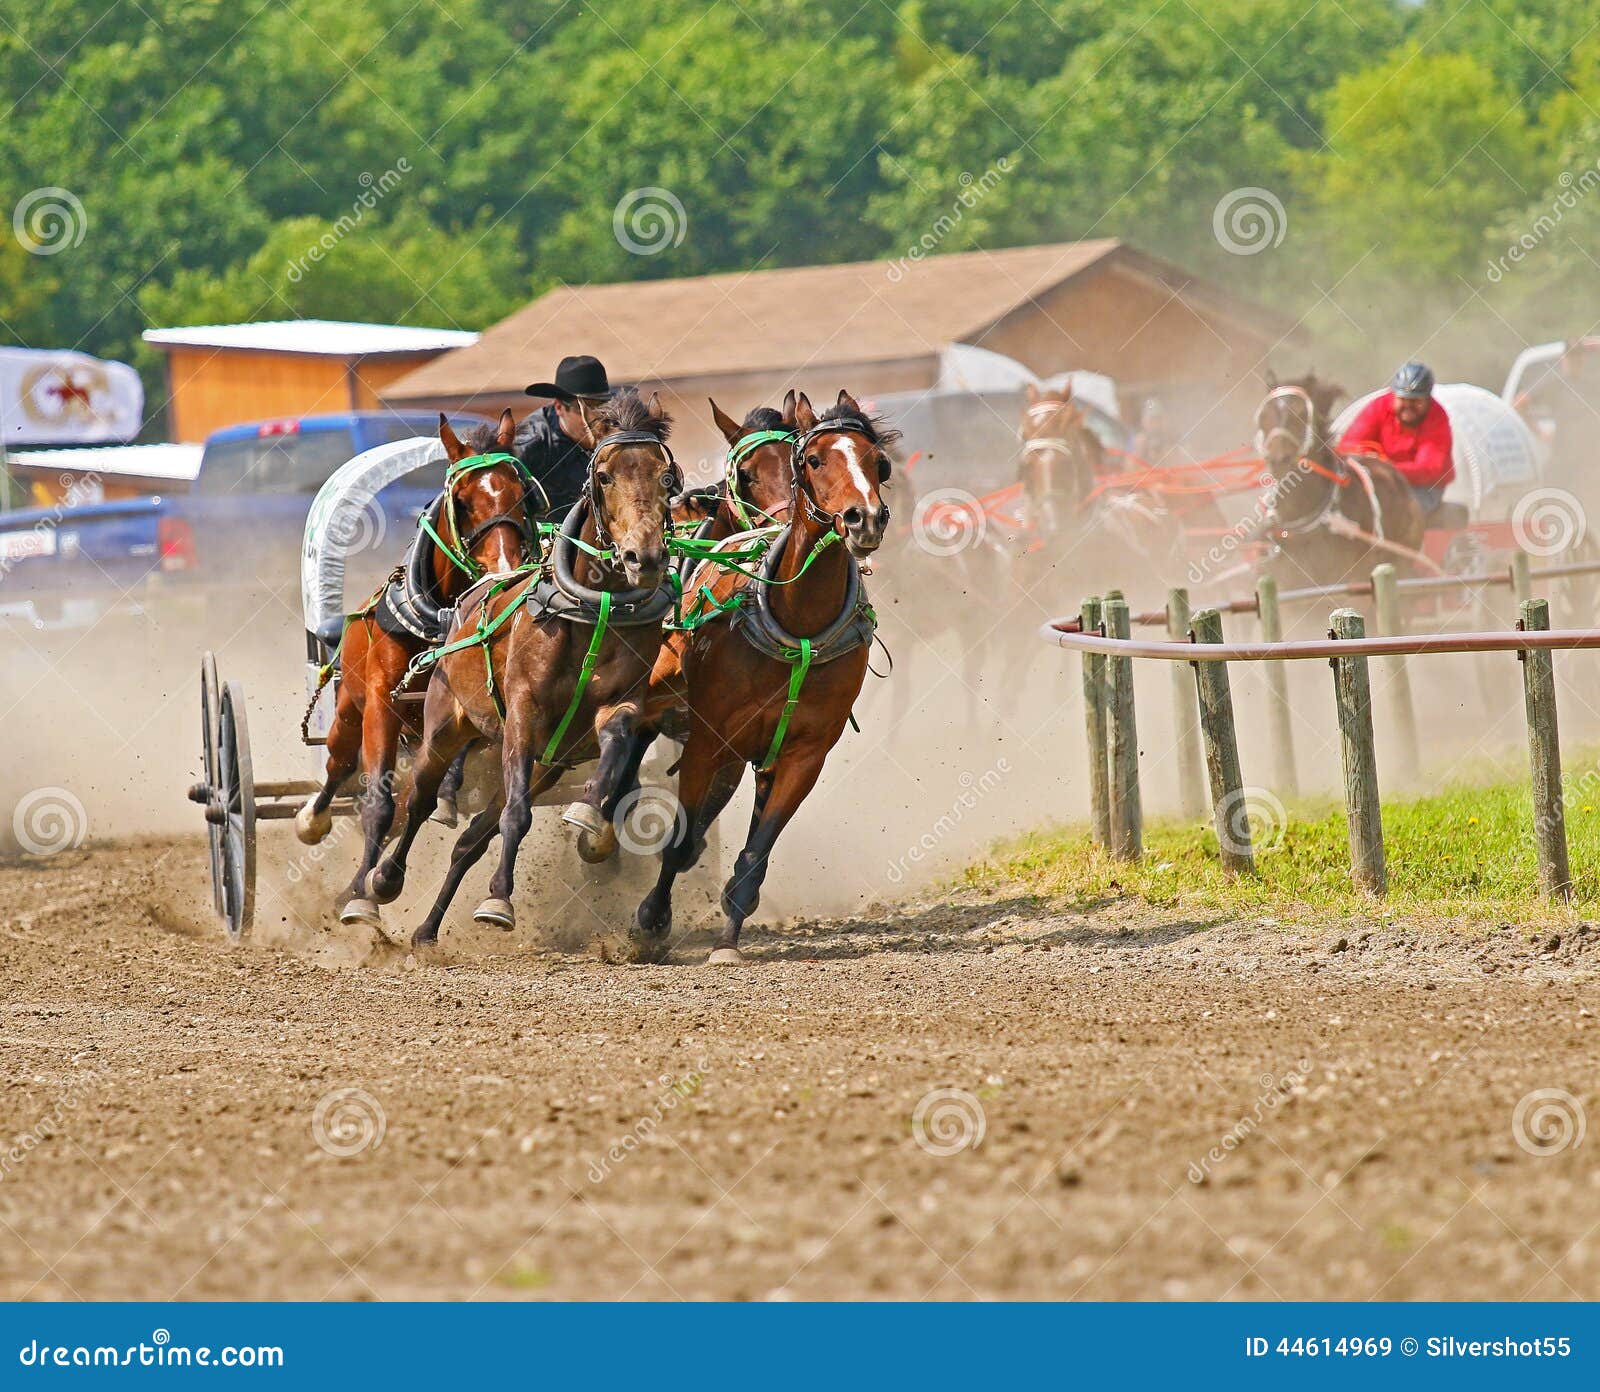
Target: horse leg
[790, 781]
[615, 730]
[469, 849]
[439, 748]
[445, 814]
[516, 815]
[380, 740]
[704, 787]
[313, 821]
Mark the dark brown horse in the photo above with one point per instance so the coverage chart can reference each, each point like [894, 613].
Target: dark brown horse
[771, 683]
[481, 522]
[531, 665]
[1333, 518]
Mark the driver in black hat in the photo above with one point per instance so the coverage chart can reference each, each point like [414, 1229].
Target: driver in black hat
[554, 442]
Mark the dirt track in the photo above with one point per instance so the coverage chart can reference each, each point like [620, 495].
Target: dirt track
[172, 1085]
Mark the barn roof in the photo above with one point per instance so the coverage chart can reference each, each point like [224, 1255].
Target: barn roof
[787, 318]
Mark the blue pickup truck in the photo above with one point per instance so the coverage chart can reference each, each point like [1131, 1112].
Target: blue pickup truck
[237, 528]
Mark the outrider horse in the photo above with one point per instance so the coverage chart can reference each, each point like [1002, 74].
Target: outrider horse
[480, 525]
[770, 664]
[1073, 515]
[1333, 517]
[552, 662]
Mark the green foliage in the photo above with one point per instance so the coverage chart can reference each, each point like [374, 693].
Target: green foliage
[213, 142]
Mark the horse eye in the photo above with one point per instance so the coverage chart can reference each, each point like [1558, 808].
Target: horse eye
[814, 460]
[603, 478]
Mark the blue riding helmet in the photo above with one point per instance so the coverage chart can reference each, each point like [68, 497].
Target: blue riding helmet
[1414, 381]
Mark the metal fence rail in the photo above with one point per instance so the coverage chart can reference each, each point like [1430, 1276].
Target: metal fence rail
[1100, 633]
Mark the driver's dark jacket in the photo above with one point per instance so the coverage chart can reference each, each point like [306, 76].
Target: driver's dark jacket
[554, 458]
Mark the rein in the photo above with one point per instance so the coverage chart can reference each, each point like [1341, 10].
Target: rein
[458, 550]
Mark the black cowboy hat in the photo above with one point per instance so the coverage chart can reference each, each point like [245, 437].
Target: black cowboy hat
[579, 376]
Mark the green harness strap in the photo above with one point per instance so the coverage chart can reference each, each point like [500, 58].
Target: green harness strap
[799, 665]
[737, 454]
[587, 671]
[467, 464]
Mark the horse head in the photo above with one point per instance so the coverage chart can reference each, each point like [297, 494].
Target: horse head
[760, 458]
[841, 466]
[484, 510]
[632, 481]
[1061, 455]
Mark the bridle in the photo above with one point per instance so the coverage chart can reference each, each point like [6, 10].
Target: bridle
[853, 425]
[458, 549]
[1040, 412]
[740, 451]
[1307, 438]
[596, 494]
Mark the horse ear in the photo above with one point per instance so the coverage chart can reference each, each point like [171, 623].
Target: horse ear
[1327, 395]
[788, 407]
[506, 435]
[1066, 391]
[725, 423]
[804, 417]
[1033, 393]
[655, 408]
[453, 447]
[1271, 379]
[847, 401]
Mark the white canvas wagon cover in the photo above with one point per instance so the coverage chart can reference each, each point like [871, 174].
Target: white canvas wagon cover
[343, 512]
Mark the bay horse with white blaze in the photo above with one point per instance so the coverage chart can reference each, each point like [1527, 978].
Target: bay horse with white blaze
[770, 666]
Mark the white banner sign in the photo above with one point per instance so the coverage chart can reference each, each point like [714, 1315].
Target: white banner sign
[62, 398]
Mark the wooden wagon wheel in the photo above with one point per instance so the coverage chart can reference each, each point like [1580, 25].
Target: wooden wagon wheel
[232, 815]
[210, 719]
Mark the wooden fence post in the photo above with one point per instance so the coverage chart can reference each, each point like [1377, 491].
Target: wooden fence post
[1222, 751]
[1544, 755]
[1391, 624]
[1353, 693]
[1521, 578]
[1280, 716]
[1186, 737]
[1127, 816]
[1094, 719]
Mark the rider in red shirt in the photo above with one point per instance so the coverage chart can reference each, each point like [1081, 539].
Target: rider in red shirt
[1411, 430]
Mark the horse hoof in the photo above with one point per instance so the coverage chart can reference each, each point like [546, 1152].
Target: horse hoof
[633, 949]
[311, 826]
[581, 816]
[445, 813]
[496, 913]
[725, 957]
[380, 889]
[425, 937]
[593, 850]
[360, 911]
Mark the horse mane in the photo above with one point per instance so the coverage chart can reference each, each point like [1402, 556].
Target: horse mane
[875, 428]
[627, 410]
[483, 438]
[762, 418]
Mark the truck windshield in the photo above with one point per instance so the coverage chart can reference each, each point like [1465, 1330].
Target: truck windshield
[299, 463]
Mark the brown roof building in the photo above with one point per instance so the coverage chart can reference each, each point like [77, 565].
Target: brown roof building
[876, 327]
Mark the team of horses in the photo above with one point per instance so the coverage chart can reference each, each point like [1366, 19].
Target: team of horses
[731, 618]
